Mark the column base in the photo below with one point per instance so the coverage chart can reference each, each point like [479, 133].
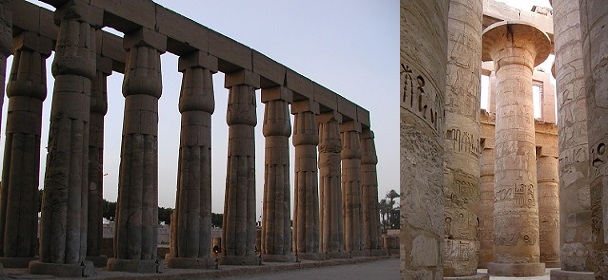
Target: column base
[279, 258]
[469, 277]
[552, 264]
[558, 274]
[137, 266]
[516, 269]
[338, 255]
[377, 253]
[311, 256]
[98, 261]
[83, 269]
[190, 263]
[240, 260]
[359, 253]
[9, 262]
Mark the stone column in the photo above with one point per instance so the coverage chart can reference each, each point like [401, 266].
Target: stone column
[330, 208]
[351, 188]
[6, 42]
[63, 224]
[574, 200]
[99, 108]
[306, 193]
[135, 236]
[238, 236]
[191, 237]
[594, 40]
[369, 194]
[486, 204]
[548, 207]
[276, 223]
[516, 48]
[462, 100]
[26, 91]
[423, 68]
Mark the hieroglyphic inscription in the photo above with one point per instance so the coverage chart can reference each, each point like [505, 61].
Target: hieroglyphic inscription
[421, 100]
[598, 157]
[463, 141]
[523, 195]
[465, 188]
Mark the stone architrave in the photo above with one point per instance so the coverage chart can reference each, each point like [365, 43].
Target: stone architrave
[369, 193]
[63, 224]
[276, 223]
[191, 226]
[576, 255]
[330, 189]
[238, 236]
[351, 188]
[461, 189]
[136, 233]
[99, 108]
[26, 91]
[486, 204]
[6, 41]
[422, 88]
[594, 42]
[548, 207]
[516, 48]
[306, 193]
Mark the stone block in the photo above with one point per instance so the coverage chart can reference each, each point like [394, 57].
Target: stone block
[190, 263]
[363, 116]
[242, 77]
[232, 54]
[299, 84]
[350, 126]
[304, 106]
[83, 269]
[145, 37]
[16, 262]
[128, 15]
[34, 42]
[197, 59]
[185, 34]
[104, 65]
[79, 10]
[559, 274]
[347, 108]
[325, 97]
[112, 47]
[516, 269]
[326, 116]
[28, 17]
[137, 266]
[424, 251]
[272, 73]
[470, 277]
[277, 93]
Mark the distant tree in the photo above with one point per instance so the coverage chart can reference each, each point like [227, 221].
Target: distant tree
[384, 211]
[39, 200]
[389, 210]
[164, 215]
[217, 219]
[108, 210]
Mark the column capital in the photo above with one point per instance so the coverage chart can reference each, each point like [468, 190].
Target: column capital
[34, 42]
[145, 37]
[242, 77]
[80, 11]
[350, 126]
[367, 133]
[306, 105]
[277, 93]
[328, 116]
[197, 59]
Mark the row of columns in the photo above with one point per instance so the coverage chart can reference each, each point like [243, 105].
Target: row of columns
[70, 226]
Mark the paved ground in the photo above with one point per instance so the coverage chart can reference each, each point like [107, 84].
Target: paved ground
[544, 277]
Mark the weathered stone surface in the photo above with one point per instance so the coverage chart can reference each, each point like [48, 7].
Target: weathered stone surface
[548, 210]
[423, 68]
[486, 192]
[594, 42]
[369, 191]
[461, 188]
[351, 187]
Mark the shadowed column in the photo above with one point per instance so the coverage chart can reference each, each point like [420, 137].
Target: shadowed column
[330, 188]
[369, 189]
[548, 205]
[238, 236]
[276, 223]
[191, 234]
[63, 224]
[99, 108]
[6, 44]
[486, 205]
[135, 236]
[515, 48]
[26, 91]
[351, 188]
[306, 193]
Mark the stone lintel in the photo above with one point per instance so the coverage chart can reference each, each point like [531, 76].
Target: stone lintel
[350, 126]
[34, 42]
[186, 35]
[307, 105]
[145, 37]
[299, 84]
[363, 116]
[347, 108]
[277, 93]
[232, 55]
[78, 10]
[126, 16]
[326, 116]
[272, 73]
[325, 97]
[242, 77]
[111, 46]
[197, 59]
[515, 34]
[104, 65]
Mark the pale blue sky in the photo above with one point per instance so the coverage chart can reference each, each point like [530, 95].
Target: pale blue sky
[350, 47]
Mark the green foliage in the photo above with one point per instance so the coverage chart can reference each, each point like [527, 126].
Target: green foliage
[389, 211]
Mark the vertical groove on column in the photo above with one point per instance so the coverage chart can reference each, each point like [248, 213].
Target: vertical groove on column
[369, 189]
[351, 192]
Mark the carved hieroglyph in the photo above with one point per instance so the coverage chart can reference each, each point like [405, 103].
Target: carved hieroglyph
[423, 68]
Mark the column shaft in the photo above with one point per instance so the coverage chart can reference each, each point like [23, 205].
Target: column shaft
[332, 222]
[351, 188]
[276, 223]
[548, 210]
[369, 192]
[486, 206]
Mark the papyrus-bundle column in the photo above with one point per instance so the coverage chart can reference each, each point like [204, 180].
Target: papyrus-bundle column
[462, 138]
[238, 236]
[423, 69]
[191, 237]
[369, 193]
[276, 223]
[576, 255]
[306, 193]
[486, 204]
[63, 224]
[594, 41]
[548, 205]
[351, 188]
[6, 43]
[135, 236]
[330, 188]
[26, 91]
[99, 108]
[516, 48]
